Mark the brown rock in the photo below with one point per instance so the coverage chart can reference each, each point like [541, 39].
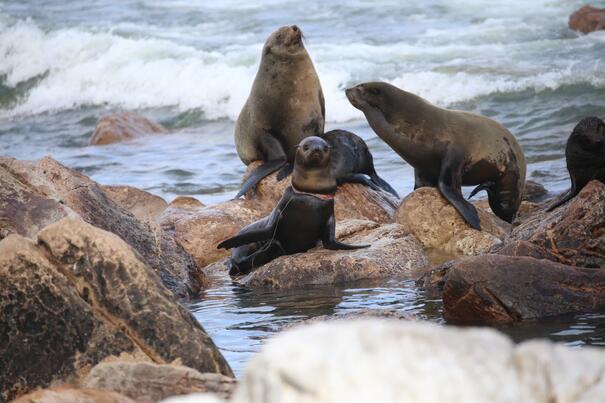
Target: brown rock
[81, 294]
[392, 314]
[147, 381]
[69, 394]
[534, 192]
[393, 252]
[145, 206]
[123, 126]
[495, 288]
[439, 226]
[587, 19]
[352, 201]
[35, 194]
[574, 233]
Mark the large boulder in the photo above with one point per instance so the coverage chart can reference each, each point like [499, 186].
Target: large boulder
[123, 126]
[442, 230]
[496, 288]
[572, 234]
[80, 294]
[35, 194]
[145, 206]
[148, 381]
[68, 394]
[393, 252]
[587, 19]
[395, 361]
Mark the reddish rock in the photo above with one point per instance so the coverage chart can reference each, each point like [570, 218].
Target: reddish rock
[143, 205]
[587, 19]
[69, 394]
[394, 252]
[496, 288]
[123, 126]
[80, 294]
[35, 194]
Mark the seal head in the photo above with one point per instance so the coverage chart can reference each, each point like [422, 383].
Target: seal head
[312, 167]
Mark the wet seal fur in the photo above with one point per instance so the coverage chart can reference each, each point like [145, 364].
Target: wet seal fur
[585, 155]
[352, 161]
[303, 216]
[448, 149]
[285, 105]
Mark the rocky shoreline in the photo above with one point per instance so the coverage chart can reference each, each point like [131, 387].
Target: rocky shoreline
[92, 275]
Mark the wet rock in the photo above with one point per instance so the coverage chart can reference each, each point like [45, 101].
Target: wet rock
[81, 294]
[68, 394]
[392, 314]
[148, 381]
[200, 230]
[35, 194]
[439, 226]
[361, 361]
[123, 126]
[352, 201]
[587, 19]
[145, 206]
[534, 192]
[574, 233]
[393, 252]
[433, 281]
[496, 288]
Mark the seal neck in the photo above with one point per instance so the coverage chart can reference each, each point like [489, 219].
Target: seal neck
[322, 196]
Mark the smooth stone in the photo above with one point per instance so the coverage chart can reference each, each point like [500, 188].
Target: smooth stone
[80, 294]
[587, 19]
[70, 394]
[149, 381]
[123, 126]
[146, 207]
[36, 194]
[505, 289]
[394, 361]
[439, 226]
[394, 252]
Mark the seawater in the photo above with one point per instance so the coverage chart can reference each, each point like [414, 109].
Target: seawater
[190, 65]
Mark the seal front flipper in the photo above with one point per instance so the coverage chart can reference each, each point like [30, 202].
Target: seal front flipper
[257, 233]
[450, 185]
[571, 193]
[487, 186]
[329, 238]
[383, 184]
[359, 178]
[285, 172]
[275, 156]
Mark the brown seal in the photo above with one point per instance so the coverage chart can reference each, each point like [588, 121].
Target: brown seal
[448, 149]
[285, 106]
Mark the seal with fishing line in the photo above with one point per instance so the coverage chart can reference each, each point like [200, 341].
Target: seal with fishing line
[303, 216]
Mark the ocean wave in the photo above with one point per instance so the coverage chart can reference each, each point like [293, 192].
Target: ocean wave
[75, 67]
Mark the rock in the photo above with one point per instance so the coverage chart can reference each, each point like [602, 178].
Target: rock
[67, 394]
[195, 398]
[395, 361]
[393, 252]
[35, 194]
[148, 381]
[439, 226]
[352, 201]
[587, 19]
[392, 314]
[79, 295]
[200, 230]
[123, 126]
[534, 192]
[574, 233]
[433, 281]
[495, 288]
[145, 206]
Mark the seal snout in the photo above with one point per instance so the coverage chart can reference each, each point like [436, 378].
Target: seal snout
[354, 95]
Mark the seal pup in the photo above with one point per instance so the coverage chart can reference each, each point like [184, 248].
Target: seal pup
[303, 216]
[352, 161]
[585, 156]
[448, 149]
[285, 105]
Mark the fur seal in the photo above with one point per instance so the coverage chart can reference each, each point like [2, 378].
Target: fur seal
[352, 161]
[448, 149]
[585, 155]
[303, 216]
[285, 105]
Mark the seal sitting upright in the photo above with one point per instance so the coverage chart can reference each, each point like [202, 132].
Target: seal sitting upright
[285, 105]
[448, 149]
[303, 216]
[585, 155]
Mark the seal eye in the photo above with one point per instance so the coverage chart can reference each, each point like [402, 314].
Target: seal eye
[306, 147]
[374, 91]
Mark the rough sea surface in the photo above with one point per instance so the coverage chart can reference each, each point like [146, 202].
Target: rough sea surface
[189, 64]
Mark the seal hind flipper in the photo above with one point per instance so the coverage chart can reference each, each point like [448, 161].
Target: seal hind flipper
[450, 185]
[244, 265]
[383, 184]
[262, 230]
[571, 193]
[329, 238]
